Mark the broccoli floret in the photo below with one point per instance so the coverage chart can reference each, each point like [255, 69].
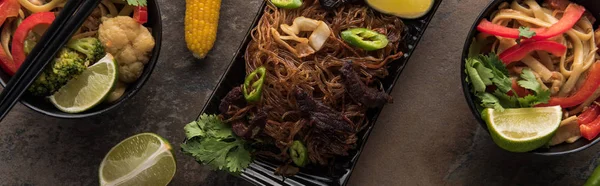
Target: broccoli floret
[66, 65]
[89, 46]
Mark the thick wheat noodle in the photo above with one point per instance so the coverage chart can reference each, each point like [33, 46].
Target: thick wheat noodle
[112, 9]
[318, 73]
[84, 35]
[567, 72]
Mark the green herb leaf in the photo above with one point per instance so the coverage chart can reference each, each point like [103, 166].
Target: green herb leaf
[479, 80]
[193, 130]
[490, 101]
[214, 127]
[505, 100]
[530, 82]
[238, 159]
[211, 142]
[526, 32]
[493, 62]
[476, 47]
[137, 2]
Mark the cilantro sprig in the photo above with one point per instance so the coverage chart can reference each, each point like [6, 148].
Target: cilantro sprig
[525, 32]
[486, 70]
[212, 143]
[137, 2]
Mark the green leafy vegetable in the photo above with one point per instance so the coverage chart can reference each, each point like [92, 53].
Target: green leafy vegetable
[476, 79]
[526, 32]
[490, 101]
[476, 47]
[485, 70]
[212, 143]
[137, 2]
[530, 82]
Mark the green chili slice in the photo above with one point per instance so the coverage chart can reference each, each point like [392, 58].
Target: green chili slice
[299, 154]
[366, 39]
[287, 4]
[253, 90]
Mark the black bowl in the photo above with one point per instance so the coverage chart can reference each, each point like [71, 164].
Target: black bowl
[591, 5]
[42, 105]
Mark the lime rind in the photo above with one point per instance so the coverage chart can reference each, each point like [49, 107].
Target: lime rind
[410, 15]
[541, 133]
[160, 159]
[72, 97]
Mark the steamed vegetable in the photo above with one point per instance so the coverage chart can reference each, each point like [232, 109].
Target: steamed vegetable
[130, 43]
[63, 68]
[90, 47]
[212, 143]
[201, 22]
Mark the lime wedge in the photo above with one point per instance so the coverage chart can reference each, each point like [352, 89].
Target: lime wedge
[409, 9]
[522, 129]
[87, 89]
[143, 159]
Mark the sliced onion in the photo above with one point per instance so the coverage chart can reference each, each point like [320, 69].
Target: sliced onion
[304, 47]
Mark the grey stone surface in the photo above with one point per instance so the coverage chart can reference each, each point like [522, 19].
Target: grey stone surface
[427, 137]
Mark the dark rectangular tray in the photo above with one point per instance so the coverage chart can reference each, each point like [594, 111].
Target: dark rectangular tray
[261, 170]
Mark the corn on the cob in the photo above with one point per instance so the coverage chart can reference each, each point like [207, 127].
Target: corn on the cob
[201, 22]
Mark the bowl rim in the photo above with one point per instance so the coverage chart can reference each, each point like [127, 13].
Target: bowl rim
[469, 97]
[134, 88]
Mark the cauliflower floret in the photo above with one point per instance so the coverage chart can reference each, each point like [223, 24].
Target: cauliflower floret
[130, 43]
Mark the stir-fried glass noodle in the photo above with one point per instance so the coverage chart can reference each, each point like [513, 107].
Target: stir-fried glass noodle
[562, 75]
[295, 75]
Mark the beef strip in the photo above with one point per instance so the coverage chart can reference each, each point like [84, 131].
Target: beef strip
[321, 115]
[332, 133]
[240, 128]
[235, 97]
[247, 130]
[359, 91]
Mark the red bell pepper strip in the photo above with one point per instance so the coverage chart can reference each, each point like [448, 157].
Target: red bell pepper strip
[518, 52]
[21, 34]
[140, 14]
[591, 130]
[572, 14]
[8, 8]
[592, 82]
[486, 26]
[588, 115]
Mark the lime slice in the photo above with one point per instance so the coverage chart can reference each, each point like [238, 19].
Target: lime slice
[143, 159]
[87, 89]
[523, 129]
[409, 9]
